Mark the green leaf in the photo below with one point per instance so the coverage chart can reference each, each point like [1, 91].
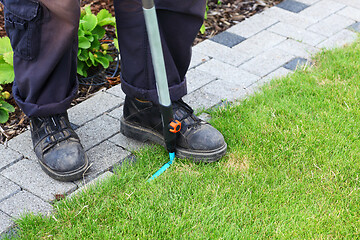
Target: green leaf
[99, 31]
[7, 106]
[84, 55]
[103, 61]
[81, 69]
[95, 45]
[7, 74]
[116, 43]
[5, 45]
[9, 58]
[105, 18]
[92, 58]
[84, 43]
[87, 10]
[81, 33]
[89, 22]
[202, 29]
[4, 115]
[107, 21]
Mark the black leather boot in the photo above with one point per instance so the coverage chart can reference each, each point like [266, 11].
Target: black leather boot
[58, 147]
[197, 140]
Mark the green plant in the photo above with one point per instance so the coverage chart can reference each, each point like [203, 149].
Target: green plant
[91, 31]
[6, 76]
[203, 29]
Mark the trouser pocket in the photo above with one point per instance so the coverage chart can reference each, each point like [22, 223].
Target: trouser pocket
[23, 26]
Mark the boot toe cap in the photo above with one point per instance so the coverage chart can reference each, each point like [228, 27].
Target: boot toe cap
[66, 157]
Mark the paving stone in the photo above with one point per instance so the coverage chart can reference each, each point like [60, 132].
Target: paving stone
[289, 17]
[227, 39]
[195, 79]
[252, 25]
[267, 62]
[221, 52]
[353, 3]
[340, 39]
[225, 90]
[23, 144]
[228, 73]
[92, 183]
[197, 59]
[200, 100]
[296, 63]
[278, 73]
[350, 12]
[331, 25]
[8, 156]
[297, 33]
[117, 91]
[93, 107]
[102, 158]
[292, 6]
[205, 116]
[260, 42]
[98, 130]
[29, 175]
[7, 188]
[308, 2]
[5, 223]
[127, 143]
[322, 9]
[24, 202]
[355, 27]
[296, 48]
[117, 112]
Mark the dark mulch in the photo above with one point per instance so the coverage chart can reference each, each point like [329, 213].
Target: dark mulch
[220, 17]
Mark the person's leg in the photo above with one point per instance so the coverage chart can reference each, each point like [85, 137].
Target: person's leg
[179, 22]
[43, 35]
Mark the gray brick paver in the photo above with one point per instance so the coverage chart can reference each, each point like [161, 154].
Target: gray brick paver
[8, 156]
[126, 143]
[260, 42]
[116, 113]
[221, 53]
[7, 188]
[24, 202]
[297, 33]
[200, 100]
[92, 183]
[322, 9]
[103, 157]
[93, 107]
[98, 130]
[267, 62]
[228, 73]
[293, 19]
[341, 38]
[351, 12]
[195, 79]
[197, 59]
[297, 48]
[23, 144]
[29, 175]
[5, 222]
[253, 25]
[353, 3]
[117, 91]
[331, 25]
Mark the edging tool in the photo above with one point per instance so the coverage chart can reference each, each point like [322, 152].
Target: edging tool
[170, 126]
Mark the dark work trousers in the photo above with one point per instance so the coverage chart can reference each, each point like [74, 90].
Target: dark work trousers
[43, 34]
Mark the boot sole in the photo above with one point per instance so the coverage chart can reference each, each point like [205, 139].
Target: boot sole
[145, 134]
[66, 176]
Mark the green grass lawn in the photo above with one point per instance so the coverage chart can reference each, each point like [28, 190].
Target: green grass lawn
[291, 172]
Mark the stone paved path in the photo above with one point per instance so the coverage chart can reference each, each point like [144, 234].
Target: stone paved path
[228, 67]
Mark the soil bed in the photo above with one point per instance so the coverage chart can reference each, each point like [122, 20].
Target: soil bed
[220, 17]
